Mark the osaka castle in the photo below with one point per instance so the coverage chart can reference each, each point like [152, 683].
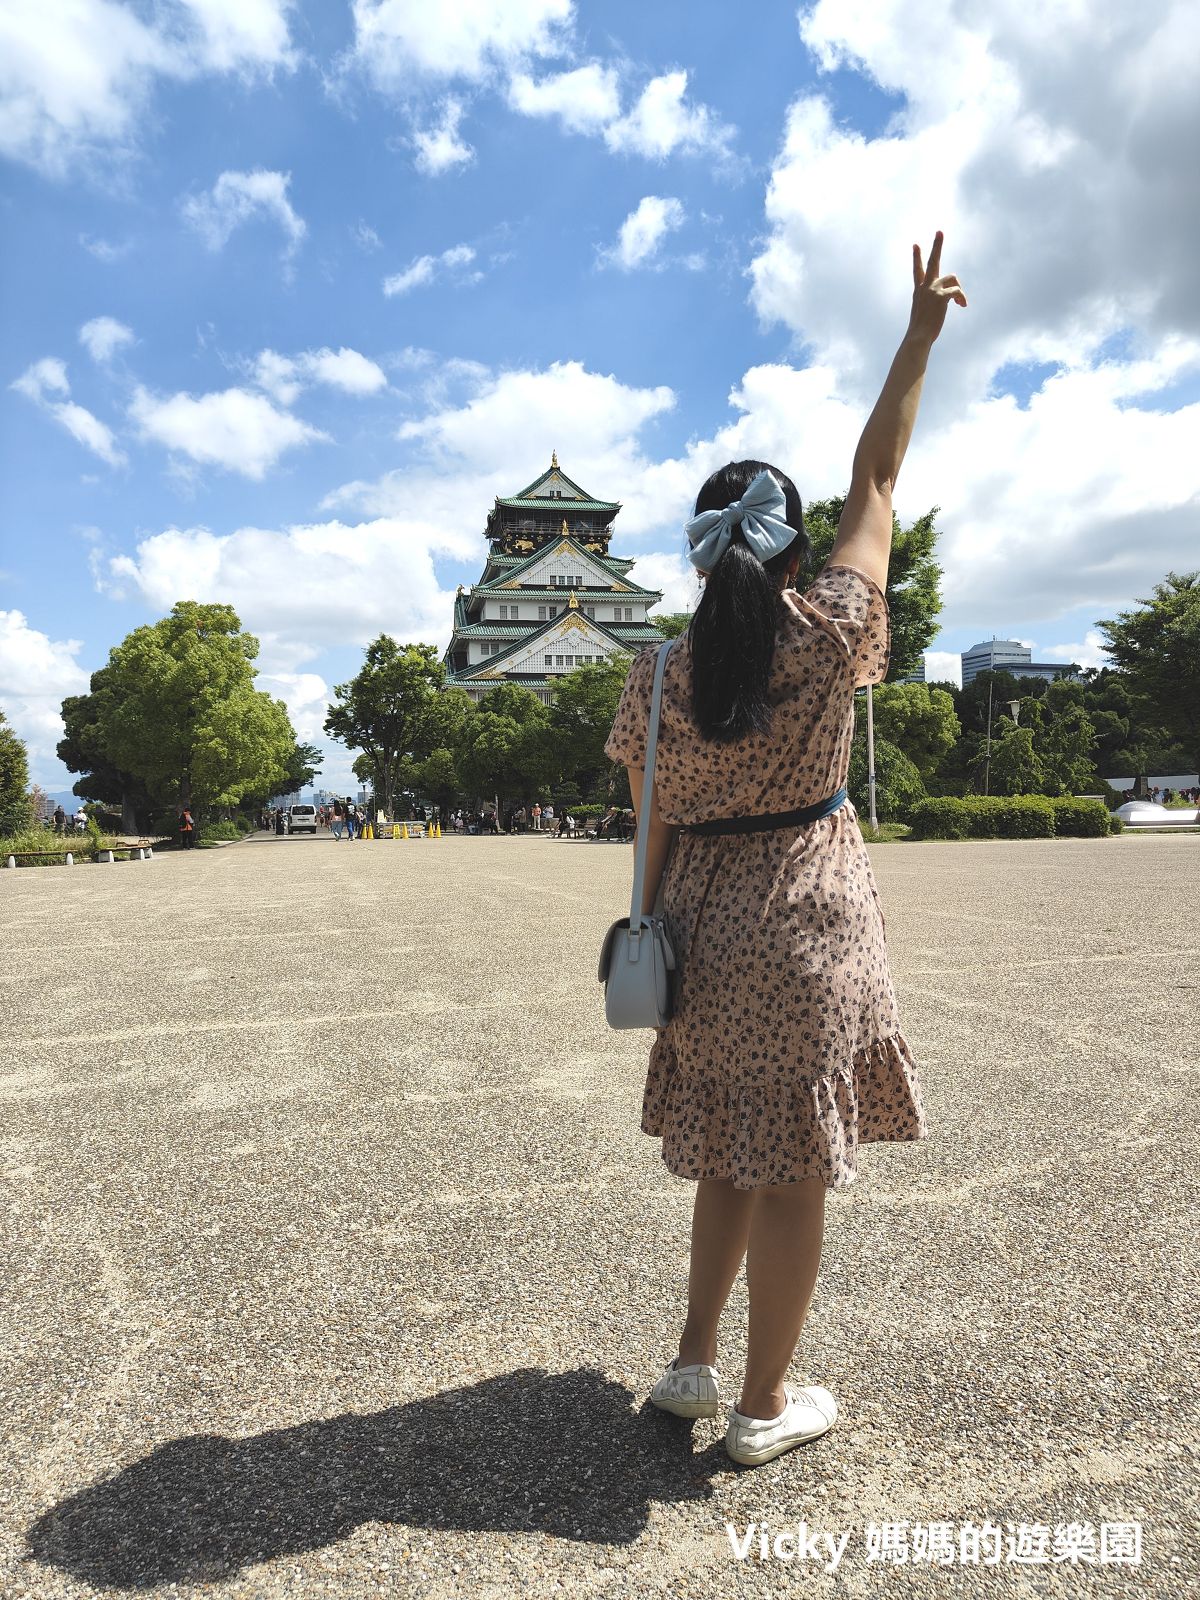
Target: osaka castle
[550, 598]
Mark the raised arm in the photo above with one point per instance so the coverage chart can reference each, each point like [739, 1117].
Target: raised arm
[864, 537]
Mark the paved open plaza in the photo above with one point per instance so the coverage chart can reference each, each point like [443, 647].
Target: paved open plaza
[337, 1264]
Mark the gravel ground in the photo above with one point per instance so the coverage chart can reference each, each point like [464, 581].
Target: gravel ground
[341, 1268]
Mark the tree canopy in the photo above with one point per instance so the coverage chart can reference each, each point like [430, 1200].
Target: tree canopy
[14, 781]
[177, 710]
[82, 749]
[1158, 651]
[385, 709]
[914, 578]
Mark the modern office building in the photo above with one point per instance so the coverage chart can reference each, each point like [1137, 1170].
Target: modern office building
[1010, 655]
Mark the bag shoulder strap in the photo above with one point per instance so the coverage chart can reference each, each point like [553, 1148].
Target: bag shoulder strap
[643, 831]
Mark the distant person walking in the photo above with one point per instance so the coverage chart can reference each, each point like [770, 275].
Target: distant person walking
[785, 1050]
[187, 829]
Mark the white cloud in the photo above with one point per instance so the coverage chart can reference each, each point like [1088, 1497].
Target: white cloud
[36, 673]
[644, 230]
[595, 419]
[308, 587]
[284, 377]
[45, 377]
[1091, 653]
[943, 666]
[103, 336]
[233, 428]
[1083, 499]
[396, 39]
[242, 35]
[673, 575]
[585, 100]
[439, 148]
[76, 76]
[1048, 143]
[104, 249]
[306, 695]
[238, 197]
[365, 237]
[425, 269]
[303, 588]
[661, 123]
[46, 384]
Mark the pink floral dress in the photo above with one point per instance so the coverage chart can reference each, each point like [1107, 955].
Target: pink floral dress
[784, 1053]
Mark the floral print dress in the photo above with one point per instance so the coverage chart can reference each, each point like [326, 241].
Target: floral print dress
[784, 1052]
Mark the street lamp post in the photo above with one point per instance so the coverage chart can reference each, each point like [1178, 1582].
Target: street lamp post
[987, 766]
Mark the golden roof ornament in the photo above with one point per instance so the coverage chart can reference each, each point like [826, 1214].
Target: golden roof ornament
[565, 529]
[573, 602]
[554, 460]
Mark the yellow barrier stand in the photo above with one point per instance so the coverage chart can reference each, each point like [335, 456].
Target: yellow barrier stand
[438, 835]
[404, 830]
[395, 830]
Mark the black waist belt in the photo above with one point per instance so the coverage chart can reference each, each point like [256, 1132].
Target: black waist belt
[774, 819]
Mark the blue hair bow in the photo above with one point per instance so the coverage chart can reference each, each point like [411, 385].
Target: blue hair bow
[759, 513]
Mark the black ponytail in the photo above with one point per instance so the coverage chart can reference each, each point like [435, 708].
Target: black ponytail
[732, 631]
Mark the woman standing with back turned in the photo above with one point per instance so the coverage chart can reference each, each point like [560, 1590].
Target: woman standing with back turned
[784, 1052]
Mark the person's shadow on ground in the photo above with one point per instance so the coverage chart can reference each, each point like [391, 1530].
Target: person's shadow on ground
[561, 1453]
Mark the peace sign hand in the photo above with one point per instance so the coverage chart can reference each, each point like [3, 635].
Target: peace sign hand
[931, 294]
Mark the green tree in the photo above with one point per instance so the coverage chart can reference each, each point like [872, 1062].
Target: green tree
[898, 784]
[303, 764]
[183, 715]
[82, 750]
[581, 718]
[917, 718]
[914, 578]
[15, 810]
[508, 747]
[1015, 766]
[385, 708]
[1064, 742]
[437, 776]
[670, 623]
[442, 723]
[1158, 651]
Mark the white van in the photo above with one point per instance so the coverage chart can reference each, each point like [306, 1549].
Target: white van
[302, 819]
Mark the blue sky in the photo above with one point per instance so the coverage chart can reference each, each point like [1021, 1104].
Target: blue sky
[645, 236]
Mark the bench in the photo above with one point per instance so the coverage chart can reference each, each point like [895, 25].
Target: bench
[142, 850]
[15, 857]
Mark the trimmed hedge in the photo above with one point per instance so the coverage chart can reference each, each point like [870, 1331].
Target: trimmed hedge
[213, 832]
[1080, 819]
[1018, 816]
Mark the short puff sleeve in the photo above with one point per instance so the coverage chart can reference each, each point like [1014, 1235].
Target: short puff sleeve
[856, 611]
[627, 740]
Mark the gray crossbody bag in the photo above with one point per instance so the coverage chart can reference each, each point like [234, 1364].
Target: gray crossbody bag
[637, 961]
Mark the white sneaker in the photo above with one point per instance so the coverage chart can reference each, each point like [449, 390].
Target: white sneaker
[808, 1414]
[688, 1391]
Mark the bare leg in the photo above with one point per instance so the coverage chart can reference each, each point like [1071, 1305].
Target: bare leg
[784, 1254]
[720, 1232]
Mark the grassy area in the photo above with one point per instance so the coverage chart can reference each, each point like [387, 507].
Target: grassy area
[82, 846]
[886, 833]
